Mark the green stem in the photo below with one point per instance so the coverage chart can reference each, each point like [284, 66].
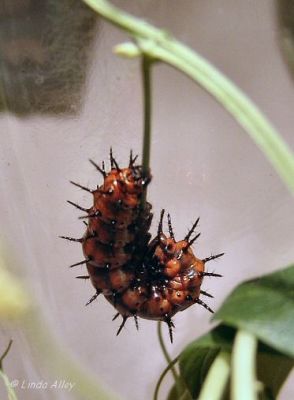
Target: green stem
[166, 370]
[180, 386]
[243, 386]
[146, 78]
[217, 378]
[240, 106]
[10, 391]
[165, 352]
[159, 45]
[146, 69]
[6, 351]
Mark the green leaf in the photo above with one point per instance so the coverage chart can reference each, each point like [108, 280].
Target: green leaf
[174, 395]
[220, 338]
[265, 308]
[197, 357]
[273, 367]
[194, 365]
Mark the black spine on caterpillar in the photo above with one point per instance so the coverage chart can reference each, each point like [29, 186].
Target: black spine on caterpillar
[153, 280]
[117, 235]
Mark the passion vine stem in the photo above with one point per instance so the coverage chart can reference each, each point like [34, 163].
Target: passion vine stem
[10, 390]
[146, 75]
[180, 385]
[166, 370]
[243, 386]
[158, 44]
[146, 83]
[5, 353]
[165, 352]
[216, 380]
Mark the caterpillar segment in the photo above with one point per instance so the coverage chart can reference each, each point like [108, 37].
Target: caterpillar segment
[141, 278]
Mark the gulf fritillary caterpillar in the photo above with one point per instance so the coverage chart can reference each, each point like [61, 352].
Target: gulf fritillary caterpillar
[140, 278]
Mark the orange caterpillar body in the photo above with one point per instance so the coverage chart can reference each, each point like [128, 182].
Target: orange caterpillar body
[140, 278]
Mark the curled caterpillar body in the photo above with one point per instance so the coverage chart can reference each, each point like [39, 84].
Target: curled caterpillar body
[113, 245]
[168, 281]
[140, 278]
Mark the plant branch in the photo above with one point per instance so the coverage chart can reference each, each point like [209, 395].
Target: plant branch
[10, 391]
[146, 75]
[166, 370]
[6, 351]
[146, 78]
[165, 352]
[160, 45]
[243, 386]
[217, 378]
[180, 386]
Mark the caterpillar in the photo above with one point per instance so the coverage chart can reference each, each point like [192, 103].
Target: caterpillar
[151, 279]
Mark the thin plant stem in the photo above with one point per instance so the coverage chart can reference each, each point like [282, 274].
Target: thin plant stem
[180, 386]
[243, 385]
[10, 391]
[217, 378]
[160, 45]
[165, 352]
[165, 371]
[6, 351]
[9, 388]
[146, 75]
[146, 81]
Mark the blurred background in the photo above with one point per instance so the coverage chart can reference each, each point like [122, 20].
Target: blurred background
[65, 98]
